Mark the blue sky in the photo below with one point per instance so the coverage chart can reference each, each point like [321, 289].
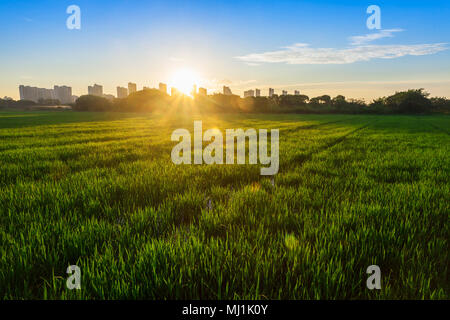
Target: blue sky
[244, 44]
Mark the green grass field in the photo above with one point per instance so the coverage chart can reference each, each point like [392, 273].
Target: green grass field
[100, 191]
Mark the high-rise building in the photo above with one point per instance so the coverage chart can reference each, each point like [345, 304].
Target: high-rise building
[63, 94]
[258, 93]
[249, 93]
[35, 94]
[227, 91]
[122, 92]
[174, 92]
[284, 92]
[271, 92]
[74, 99]
[202, 91]
[46, 94]
[297, 93]
[95, 90]
[163, 87]
[26, 93]
[132, 87]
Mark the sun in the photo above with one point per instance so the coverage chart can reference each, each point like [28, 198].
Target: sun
[184, 80]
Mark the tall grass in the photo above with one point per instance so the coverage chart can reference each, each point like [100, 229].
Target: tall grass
[100, 191]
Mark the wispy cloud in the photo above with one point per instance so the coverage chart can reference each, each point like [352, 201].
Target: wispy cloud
[302, 53]
[360, 50]
[388, 33]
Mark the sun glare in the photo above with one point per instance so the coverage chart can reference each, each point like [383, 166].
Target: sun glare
[184, 80]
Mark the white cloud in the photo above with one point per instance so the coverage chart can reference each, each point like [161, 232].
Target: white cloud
[302, 53]
[361, 50]
[388, 33]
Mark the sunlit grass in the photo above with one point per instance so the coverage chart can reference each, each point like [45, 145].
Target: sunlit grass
[100, 191]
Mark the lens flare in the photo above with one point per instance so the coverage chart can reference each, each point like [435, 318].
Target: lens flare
[184, 81]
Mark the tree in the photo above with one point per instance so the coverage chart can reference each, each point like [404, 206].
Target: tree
[440, 104]
[339, 101]
[411, 101]
[293, 100]
[146, 101]
[49, 102]
[92, 103]
[9, 103]
[325, 99]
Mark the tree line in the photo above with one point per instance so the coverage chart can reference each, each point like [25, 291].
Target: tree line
[18, 104]
[413, 101]
[153, 100]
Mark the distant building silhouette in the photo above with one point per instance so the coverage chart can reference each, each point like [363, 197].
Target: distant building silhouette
[249, 93]
[63, 94]
[74, 98]
[271, 92]
[35, 94]
[227, 91]
[95, 90]
[297, 93]
[284, 92]
[174, 92]
[132, 87]
[258, 93]
[163, 87]
[202, 92]
[122, 92]
[194, 90]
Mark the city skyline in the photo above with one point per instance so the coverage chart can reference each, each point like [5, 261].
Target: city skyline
[61, 93]
[64, 93]
[314, 48]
